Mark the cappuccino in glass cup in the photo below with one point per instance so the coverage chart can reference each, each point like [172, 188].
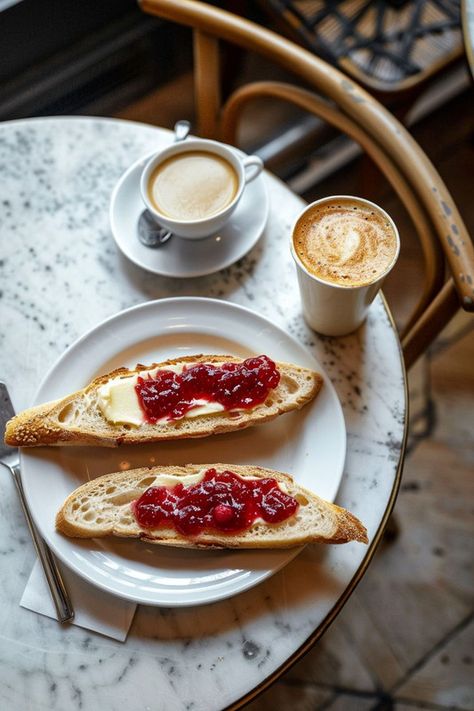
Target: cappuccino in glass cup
[343, 248]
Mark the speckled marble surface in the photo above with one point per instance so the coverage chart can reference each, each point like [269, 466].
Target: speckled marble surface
[61, 274]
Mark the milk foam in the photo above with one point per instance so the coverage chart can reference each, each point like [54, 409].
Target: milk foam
[345, 242]
[193, 186]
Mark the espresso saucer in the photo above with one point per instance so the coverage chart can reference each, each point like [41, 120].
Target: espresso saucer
[184, 258]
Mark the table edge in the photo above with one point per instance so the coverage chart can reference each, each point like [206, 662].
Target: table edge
[361, 570]
[84, 117]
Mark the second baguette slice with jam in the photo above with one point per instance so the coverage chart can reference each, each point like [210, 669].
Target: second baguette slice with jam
[279, 514]
[78, 420]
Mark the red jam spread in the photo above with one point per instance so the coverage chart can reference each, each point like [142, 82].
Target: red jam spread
[234, 385]
[219, 502]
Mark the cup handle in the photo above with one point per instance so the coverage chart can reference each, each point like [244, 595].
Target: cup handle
[253, 166]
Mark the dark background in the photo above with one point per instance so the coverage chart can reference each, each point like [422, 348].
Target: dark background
[86, 56]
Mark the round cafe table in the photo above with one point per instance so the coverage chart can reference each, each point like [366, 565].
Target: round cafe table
[61, 274]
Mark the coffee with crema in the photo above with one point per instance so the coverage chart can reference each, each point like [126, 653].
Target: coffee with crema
[345, 242]
[193, 185]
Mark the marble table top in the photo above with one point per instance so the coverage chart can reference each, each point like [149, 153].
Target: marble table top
[61, 274]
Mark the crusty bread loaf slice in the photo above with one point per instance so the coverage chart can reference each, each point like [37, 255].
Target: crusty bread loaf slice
[102, 507]
[78, 420]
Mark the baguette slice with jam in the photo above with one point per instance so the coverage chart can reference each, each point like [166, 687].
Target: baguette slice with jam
[285, 515]
[79, 418]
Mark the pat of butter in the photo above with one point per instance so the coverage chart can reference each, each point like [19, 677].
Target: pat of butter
[204, 407]
[118, 401]
[170, 480]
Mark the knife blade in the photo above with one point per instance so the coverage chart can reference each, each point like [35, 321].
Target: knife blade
[9, 457]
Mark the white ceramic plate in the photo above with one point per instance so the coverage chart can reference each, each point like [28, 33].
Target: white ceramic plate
[310, 444]
[183, 257]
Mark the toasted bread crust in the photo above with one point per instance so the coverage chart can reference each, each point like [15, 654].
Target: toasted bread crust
[42, 425]
[337, 524]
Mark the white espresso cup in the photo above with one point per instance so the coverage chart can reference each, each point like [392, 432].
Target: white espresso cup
[246, 168]
[336, 309]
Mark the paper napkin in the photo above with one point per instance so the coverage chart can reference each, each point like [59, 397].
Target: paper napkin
[94, 609]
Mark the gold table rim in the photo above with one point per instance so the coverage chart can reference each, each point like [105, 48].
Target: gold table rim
[363, 567]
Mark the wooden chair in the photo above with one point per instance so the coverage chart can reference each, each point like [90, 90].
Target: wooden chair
[447, 248]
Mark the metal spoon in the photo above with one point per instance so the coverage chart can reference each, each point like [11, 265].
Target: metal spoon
[150, 233]
[181, 130]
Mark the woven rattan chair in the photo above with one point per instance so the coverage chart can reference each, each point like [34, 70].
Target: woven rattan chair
[447, 248]
[394, 48]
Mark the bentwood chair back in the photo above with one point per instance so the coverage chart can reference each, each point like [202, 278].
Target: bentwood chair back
[447, 249]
